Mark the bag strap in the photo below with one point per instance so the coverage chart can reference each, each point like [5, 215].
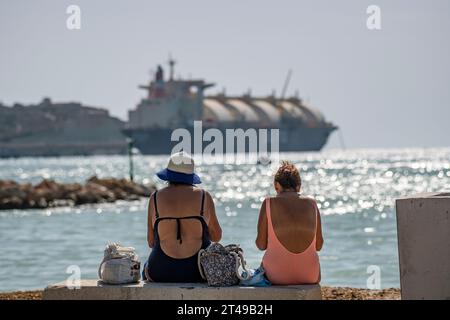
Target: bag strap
[203, 203]
[100, 268]
[156, 206]
[200, 268]
[240, 261]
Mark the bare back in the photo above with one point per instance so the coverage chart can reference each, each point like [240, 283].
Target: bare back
[182, 201]
[295, 221]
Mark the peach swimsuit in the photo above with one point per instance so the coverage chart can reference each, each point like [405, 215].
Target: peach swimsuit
[284, 267]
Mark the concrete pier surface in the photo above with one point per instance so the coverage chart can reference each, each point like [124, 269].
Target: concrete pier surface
[423, 228]
[96, 290]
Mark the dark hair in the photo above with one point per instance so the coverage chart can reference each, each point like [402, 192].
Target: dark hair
[173, 183]
[288, 176]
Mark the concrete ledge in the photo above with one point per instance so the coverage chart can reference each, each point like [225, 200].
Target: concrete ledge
[96, 290]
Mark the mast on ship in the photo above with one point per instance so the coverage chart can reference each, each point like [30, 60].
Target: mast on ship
[171, 63]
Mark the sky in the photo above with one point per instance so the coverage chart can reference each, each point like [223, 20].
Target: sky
[384, 88]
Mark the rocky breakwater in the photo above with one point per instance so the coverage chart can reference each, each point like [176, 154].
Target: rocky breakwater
[49, 193]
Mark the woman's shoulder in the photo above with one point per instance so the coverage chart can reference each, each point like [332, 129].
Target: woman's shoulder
[197, 189]
[308, 199]
[184, 187]
[188, 189]
[301, 198]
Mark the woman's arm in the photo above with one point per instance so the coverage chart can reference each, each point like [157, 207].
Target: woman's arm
[215, 231]
[150, 214]
[261, 237]
[319, 236]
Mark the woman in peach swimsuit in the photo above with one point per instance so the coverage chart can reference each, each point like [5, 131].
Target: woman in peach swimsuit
[289, 229]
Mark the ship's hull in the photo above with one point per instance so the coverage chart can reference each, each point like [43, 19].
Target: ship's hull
[158, 141]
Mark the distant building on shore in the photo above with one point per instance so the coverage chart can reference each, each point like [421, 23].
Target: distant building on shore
[59, 129]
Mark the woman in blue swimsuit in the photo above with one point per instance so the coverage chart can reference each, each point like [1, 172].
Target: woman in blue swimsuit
[181, 221]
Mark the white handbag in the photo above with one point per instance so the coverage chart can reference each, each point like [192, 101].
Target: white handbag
[119, 265]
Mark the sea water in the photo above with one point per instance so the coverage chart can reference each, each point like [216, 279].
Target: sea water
[355, 190]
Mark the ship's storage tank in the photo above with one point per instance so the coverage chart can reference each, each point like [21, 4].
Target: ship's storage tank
[260, 112]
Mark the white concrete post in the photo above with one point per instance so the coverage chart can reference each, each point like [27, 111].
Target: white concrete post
[423, 231]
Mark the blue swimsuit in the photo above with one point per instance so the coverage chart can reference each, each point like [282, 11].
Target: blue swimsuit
[163, 268]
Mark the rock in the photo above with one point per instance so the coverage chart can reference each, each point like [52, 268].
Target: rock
[31, 203]
[50, 190]
[62, 203]
[47, 184]
[71, 196]
[71, 188]
[119, 194]
[109, 183]
[50, 193]
[9, 191]
[101, 191]
[136, 189]
[87, 196]
[46, 194]
[7, 183]
[42, 203]
[11, 203]
[133, 197]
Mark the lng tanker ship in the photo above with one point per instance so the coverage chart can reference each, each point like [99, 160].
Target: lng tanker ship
[172, 104]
